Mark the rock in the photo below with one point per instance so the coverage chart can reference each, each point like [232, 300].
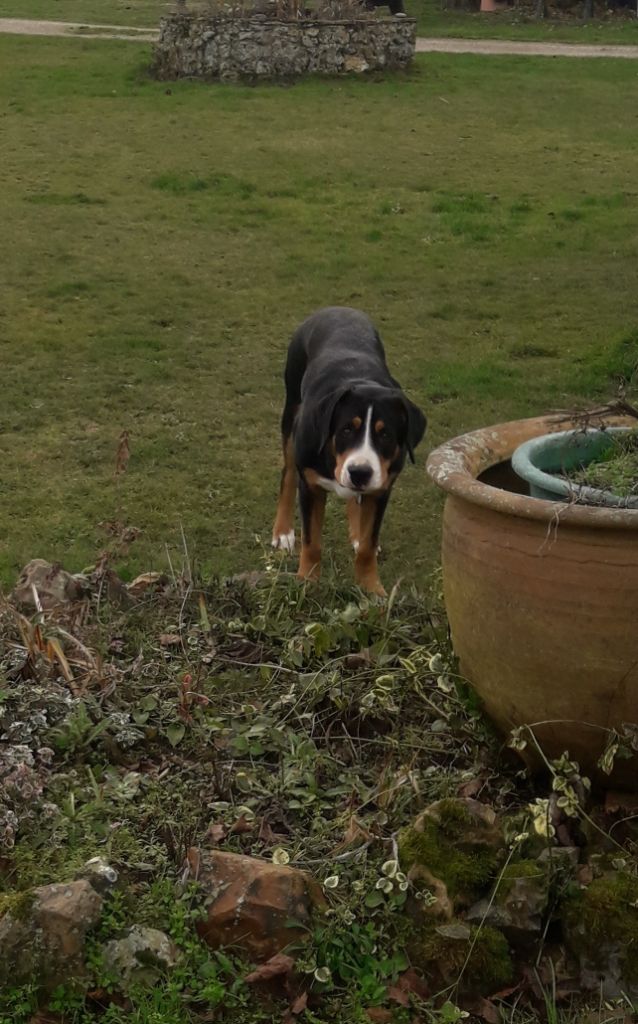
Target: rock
[55, 587]
[600, 928]
[460, 842]
[139, 957]
[254, 904]
[44, 934]
[99, 873]
[476, 959]
[519, 902]
[356, 64]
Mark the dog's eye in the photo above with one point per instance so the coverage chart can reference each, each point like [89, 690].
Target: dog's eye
[346, 431]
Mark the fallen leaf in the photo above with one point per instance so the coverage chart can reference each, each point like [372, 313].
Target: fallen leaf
[193, 859]
[216, 832]
[471, 788]
[362, 659]
[141, 583]
[240, 826]
[266, 834]
[170, 639]
[485, 1009]
[379, 1015]
[300, 1003]
[356, 834]
[409, 983]
[278, 964]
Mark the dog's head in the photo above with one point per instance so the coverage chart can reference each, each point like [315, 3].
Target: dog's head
[367, 431]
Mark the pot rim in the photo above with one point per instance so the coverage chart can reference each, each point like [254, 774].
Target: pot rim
[455, 466]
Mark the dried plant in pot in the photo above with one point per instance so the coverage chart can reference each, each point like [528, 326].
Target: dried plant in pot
[593, 466]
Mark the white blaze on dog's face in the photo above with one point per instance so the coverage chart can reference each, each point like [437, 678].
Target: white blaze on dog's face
[360, 470]
[365, 442]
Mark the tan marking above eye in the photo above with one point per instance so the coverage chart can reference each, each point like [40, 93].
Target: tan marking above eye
[379, 426]
[356, 422]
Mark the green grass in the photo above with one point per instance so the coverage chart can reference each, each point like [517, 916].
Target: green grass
[433, 20]
[516, 23]
[161, 242]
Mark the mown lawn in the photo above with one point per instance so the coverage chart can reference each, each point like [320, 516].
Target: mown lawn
[159, 244]
[433, 19]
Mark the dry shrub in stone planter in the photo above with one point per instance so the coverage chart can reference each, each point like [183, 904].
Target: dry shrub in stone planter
[280, 39]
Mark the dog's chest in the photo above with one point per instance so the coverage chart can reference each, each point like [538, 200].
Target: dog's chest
[334, 487]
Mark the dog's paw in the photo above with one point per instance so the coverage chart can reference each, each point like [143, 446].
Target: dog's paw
[284, 541]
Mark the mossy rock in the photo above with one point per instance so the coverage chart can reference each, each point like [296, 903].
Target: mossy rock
[518, 906]
[458, 841]
[600, 926]
[477, 958]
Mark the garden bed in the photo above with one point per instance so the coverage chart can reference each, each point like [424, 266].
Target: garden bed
[165, 726]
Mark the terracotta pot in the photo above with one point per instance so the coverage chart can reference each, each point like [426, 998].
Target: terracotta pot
[542, 598]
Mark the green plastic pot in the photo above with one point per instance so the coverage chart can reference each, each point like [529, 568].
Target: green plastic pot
[537, 461]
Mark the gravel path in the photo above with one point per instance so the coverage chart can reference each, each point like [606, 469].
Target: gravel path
[504, 46]
[25, 27]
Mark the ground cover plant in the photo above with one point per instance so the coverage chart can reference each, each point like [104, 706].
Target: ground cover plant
[161, 242]
[433, 17]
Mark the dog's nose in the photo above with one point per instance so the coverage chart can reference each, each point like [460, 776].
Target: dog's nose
[360, 475]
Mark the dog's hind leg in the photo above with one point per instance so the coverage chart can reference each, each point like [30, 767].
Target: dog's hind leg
[312, 503]
[371, 513]
[283, 531]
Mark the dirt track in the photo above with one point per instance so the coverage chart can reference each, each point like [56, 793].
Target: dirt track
[23, 26]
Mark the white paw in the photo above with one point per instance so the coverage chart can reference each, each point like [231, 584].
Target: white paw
[284, 541]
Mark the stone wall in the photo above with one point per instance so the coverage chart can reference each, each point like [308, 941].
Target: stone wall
[211, 47]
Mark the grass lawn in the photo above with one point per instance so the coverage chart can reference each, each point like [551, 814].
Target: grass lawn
[160, 244]
[432, 18]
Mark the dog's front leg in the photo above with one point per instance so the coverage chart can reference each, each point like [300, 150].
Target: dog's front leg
[371, 513]
[312, 504]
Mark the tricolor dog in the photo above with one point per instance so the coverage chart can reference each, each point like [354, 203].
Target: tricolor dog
[347, 427]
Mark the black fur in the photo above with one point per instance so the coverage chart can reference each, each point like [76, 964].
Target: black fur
[335, 358]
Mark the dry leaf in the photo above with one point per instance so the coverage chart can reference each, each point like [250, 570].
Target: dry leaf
[471, 788]
[145, 580]
[193, 859]
[378, 1015]
[409, 983]
[300, 1003]
[278, 964]
[216, 832]
[485, 1009]
[170, 639]
[123, 454]
[355, 835]
[266, 834]
[240, 826]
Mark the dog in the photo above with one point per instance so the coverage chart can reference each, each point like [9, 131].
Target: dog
[347, 427]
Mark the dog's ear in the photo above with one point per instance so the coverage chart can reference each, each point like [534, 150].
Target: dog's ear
[314, 424]
[415, 425]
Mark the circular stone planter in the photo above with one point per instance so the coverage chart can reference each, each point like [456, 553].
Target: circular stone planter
[542, 598]
[539, 460]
